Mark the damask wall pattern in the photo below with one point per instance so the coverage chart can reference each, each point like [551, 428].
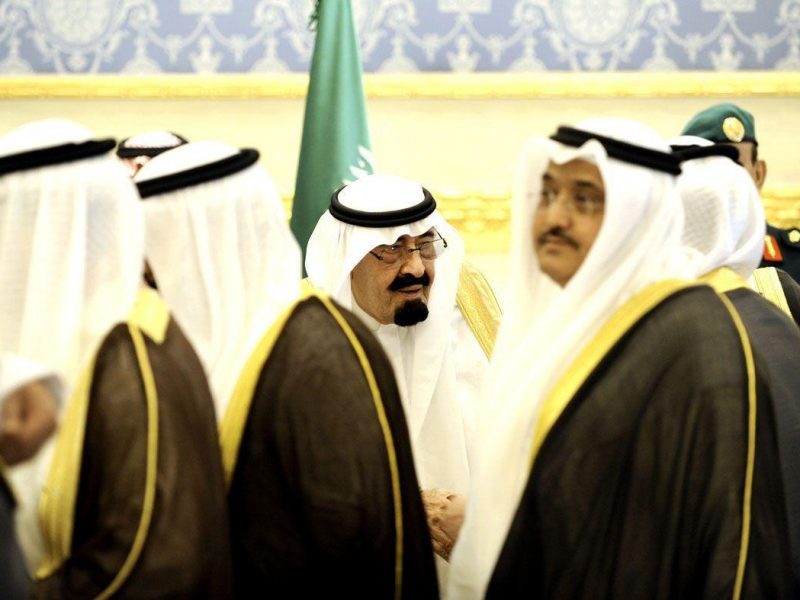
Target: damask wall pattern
[268, 36]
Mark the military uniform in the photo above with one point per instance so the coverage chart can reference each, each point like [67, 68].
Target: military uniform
[782, 250]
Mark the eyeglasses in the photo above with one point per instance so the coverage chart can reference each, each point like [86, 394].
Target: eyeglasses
[428, 250]
[579, 203]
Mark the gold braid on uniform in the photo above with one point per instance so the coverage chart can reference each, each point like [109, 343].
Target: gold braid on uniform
[769, 286]
[478, 304]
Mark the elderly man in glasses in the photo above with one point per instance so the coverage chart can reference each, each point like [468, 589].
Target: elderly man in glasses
[384, 251]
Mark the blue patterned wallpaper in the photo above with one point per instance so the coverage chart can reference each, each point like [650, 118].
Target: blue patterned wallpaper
[205, 36]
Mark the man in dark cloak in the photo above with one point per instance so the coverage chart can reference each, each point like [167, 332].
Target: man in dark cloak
[638, 451]
[724, 226]
[323, 496]
[133, 502]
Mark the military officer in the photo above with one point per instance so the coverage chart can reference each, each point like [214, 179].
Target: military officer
[730, 124]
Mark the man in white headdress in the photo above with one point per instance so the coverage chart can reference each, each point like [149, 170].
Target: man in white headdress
[385, 252]
[732, 126]
[723, 236]
[130, 496]
[619, 459]
[137, 150]
[323, 499]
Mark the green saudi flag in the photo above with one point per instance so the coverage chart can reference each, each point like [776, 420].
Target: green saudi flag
[335, 147]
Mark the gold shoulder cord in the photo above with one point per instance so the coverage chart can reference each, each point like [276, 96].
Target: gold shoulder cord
[478, 304]
[769, 286]
[57, 507]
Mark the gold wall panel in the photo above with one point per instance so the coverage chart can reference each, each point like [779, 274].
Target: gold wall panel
[484, 219]
[412, 85]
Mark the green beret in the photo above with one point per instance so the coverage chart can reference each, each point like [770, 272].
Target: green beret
[723, 124]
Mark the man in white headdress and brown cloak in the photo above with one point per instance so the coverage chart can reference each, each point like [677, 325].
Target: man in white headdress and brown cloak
[323, 498]
[723, 236]
[631, 452]
[129, 499]
[384, 251]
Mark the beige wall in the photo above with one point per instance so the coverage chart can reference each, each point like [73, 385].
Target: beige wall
[468, 145]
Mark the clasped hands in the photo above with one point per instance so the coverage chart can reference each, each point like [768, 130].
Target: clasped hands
[445, 514]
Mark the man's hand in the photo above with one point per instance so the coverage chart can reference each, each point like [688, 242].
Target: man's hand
[445, 514]
[27, 419]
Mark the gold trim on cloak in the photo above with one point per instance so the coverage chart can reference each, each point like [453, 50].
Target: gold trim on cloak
[150, 314]
[613, 330]
[478, 304]
[765, 282]
[59, 496]
[747, 494]
[235, 420]
[723, 279]
[609, 334]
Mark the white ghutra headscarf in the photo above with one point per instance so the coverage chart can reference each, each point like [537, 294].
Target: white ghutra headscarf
[71, 257]
[70, 250]
[545, 326]
[724, 218]
[421, 355]
[222, 255]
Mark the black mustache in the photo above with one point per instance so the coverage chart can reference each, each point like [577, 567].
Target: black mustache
[557, 232]
[407, 280]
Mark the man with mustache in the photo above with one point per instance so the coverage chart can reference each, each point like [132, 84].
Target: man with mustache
[385, 252]
[322, 495]
[631, 450]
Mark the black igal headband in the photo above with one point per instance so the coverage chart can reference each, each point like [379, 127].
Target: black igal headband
[197, 175]
[629, 153]
[54, 155]
[685, 153]
[389, 218]
[124, 151]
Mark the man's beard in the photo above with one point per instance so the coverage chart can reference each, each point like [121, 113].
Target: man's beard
[411, 313]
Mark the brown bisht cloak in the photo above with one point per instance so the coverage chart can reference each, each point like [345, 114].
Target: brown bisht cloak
[139, 448]
[776, 339]
[661, 477]
[324, 500]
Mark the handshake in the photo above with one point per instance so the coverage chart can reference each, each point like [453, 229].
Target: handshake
[445, 514]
